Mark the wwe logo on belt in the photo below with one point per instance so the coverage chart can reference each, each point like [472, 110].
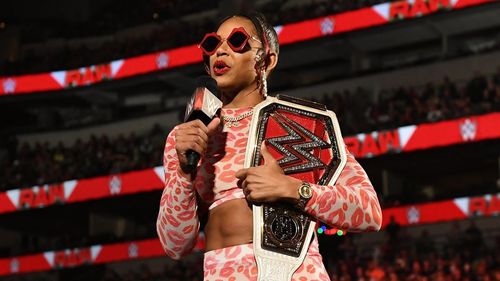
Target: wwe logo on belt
[295, 148]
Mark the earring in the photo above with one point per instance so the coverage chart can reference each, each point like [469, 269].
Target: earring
[258, 56]
[263, 83]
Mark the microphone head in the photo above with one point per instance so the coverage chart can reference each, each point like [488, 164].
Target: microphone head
[209, 83]
[204, 103]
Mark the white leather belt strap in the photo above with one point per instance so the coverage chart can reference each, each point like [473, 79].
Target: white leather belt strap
[273, 266]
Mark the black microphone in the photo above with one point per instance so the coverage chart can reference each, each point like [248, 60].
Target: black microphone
[204, 105]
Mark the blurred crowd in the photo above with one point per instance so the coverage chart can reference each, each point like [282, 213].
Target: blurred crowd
[459, 255]
[27, 165]
[462, 255]
[174, 26]
[277, 14]
[462, 252]
[414, 105]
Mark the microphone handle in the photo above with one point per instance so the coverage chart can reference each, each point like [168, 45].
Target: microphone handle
[193, 158]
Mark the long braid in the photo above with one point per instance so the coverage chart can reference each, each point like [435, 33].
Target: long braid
[265, 32]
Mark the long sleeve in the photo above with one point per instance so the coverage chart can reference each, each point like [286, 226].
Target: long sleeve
[350, 204]
[177, 223]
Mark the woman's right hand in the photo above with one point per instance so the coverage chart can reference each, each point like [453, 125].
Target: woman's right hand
[193, 135]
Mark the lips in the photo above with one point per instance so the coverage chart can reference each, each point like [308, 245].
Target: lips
[220, 67]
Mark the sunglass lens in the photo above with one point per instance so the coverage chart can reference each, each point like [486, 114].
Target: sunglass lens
[210, 43]
[238, 39]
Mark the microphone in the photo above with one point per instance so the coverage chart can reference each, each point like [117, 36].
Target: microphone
[203, 105]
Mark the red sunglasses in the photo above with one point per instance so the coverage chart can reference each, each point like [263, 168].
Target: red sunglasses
[237, 40]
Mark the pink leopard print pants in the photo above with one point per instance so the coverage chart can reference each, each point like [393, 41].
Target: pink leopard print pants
[237, 263]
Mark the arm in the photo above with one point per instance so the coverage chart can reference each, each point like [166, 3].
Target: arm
[350, 204]
[177, 223]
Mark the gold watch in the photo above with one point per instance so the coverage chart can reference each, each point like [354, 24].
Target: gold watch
[305, 193]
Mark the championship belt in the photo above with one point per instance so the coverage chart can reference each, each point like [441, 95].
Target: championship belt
[305, 139]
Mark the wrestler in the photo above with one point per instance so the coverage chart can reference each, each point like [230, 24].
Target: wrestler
[239, 56]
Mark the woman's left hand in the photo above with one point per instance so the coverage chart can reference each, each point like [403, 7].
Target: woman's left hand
[268, 183]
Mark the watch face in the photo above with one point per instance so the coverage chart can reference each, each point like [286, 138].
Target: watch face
[305, 191]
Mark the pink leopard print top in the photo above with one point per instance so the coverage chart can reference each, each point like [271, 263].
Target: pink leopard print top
[350, 204]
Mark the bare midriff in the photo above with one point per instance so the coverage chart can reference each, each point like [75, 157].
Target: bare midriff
[229, 224]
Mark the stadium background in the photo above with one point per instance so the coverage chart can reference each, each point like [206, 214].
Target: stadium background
[90, 89]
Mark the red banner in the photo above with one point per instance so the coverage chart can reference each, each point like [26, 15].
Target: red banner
[81, 190]
[425, 136]
[291, 33]
[404, 139]
[442, 211]
[97, 254]
[435, 212]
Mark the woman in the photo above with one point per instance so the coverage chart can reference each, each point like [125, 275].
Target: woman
[239, 56]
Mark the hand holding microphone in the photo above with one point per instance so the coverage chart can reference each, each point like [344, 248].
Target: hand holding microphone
[200, 121]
